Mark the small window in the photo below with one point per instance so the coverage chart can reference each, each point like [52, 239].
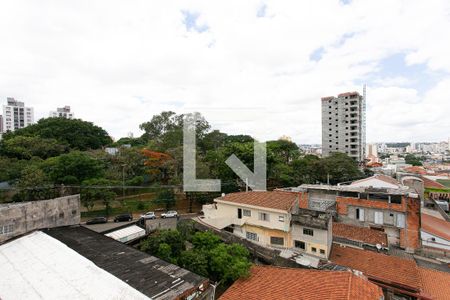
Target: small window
[247, 213]
[263, 216]
[251, 236]
[274, 240]
[308, 231]
[300, 245]
[281, 218]
[322, 251]
[313, 249]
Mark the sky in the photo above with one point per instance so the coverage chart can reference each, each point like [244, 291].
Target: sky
[250, 67]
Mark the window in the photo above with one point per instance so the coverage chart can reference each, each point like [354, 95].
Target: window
[322, 251]
[308, 231]
[378, 217]
[247, 213]
[274, 240]
[281, 218]
[313, 249]
[252, 236]
[401, 220]
[6, 229]
[300, 245]
[264, 217]
[360, 214]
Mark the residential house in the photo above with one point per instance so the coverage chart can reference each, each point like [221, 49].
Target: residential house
[267, 282]
[435, 233]
[361, 237]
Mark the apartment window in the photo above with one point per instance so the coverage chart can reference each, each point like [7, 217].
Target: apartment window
[308, 231]
[274, 240]
[251, 236]
[247, 213]
[300, 245]
[313, 249]
[360, 214]
[281, 218]
[264, 216]
[322, 251]
[378, 217]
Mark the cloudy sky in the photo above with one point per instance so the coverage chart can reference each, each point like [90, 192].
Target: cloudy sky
[256, 67]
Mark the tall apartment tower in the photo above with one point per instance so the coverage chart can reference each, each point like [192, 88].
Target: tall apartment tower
[16, 115]
[344, 125]
[62, 112]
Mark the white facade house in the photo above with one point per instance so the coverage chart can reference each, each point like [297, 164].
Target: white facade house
[16, 115]
[62, 112]
[435, 232]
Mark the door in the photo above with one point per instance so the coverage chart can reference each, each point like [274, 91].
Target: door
[378, 217]
[239, 213]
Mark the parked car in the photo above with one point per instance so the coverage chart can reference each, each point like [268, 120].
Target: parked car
[149, 215]
[97, 220]
[123, 218]
[169, 214]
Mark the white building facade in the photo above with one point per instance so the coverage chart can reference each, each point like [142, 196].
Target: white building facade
[16, 115]
[62, 112]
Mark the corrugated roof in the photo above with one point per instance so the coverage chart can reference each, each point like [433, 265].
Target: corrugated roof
[275, 200]
[268, 282]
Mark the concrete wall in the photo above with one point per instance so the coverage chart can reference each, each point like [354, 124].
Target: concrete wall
[155, 224]
[23, 217]
[321, 239]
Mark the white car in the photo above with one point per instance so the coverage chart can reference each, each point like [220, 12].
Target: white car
[169, 214]
[149, 215]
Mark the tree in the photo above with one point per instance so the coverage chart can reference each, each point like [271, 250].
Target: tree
[172, 238]
[34, 185]
[97, 189]
[72, 168]
[25, 147]
[340, 168]
[75, 133]
[166, 197]
[195, 261]
[413, 160]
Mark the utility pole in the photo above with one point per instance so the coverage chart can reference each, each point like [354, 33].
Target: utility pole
[123, 180]
[246, 184]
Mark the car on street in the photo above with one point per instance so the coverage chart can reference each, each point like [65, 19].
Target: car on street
[123, 217]
[149, 215]
[169, 214]
[97, 220]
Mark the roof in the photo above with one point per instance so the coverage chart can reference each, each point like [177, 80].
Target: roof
[348, 94]
[389, 269]
[37, 266]
[274, 200]
[378, 181]
[435, 226]
[127, 234]
[360, 234]
[148, 274]
[428, 183]
[416, 170]
[435, 283]
[268, 282]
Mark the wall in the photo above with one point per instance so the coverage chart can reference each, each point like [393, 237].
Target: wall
[321, 239]
[155, 224]
[24, 217]
[439, 243]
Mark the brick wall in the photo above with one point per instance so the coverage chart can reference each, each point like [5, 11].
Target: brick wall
[342, 203]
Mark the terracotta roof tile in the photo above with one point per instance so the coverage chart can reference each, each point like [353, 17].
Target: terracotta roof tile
[416, 170]
[360, 234]
[435, 283]
[390, 269]
[276, 200]
[428, 183]
[268, 282]
[435, 226]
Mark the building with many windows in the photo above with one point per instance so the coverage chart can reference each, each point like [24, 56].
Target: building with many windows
[62, 112]
[16, 115]
[344, 125]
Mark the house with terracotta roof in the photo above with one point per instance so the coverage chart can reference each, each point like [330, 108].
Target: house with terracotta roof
[259, 216]
[400, 278]
[266, 282]
[435, 233]
[361, 237]
[378, 202]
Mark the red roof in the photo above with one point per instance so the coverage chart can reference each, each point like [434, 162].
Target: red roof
[389, 269]
[360, 234]
[275, 200]
[435, 226]
[416, 170]
[268, 282]
[435, 283]
[428, 183]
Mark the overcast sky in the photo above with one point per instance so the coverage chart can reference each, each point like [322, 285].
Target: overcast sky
[253, 67]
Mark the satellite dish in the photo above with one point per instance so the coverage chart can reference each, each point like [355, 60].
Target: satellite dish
[378, 246]
[223, 194]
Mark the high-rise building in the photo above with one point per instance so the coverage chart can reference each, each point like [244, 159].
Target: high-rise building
[16, 115]
[62, 112]
[344, 125]
[1, 124]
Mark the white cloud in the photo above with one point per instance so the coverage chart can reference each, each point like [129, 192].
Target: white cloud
[118, 63]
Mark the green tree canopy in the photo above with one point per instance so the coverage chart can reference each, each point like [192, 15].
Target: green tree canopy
[25, 147]
[75, 133]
